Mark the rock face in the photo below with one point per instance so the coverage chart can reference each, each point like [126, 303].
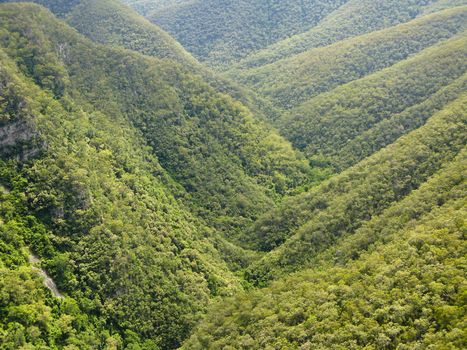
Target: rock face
[48, 282]
[18, 139]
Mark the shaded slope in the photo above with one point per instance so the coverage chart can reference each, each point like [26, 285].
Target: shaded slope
[193, 130]
[292, 81]
[111, 215]
[109, 22]
[149, 7]
[223, 31]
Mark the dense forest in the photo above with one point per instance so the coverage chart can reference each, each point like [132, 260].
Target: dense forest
[200, 174]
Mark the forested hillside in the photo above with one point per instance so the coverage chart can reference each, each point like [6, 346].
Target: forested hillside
[312, 221]
[110, 22]
[260, 31]
[88, 121]
[403, 291]
[294, 80]
[328, 123]
[236, 174]
[354, 18]
[224, 31]
[89, 192]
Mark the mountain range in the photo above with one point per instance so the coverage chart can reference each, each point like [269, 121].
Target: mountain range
[210, 174]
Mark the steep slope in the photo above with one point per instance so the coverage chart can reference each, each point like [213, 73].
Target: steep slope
[150, 7]
[110, 22]
[404, 293]
[442, 5]
[223, 31]
[329, 122]
[98, 133]
[194, 130]
[153, 191]
[292, 81]
[354, 18]
[100, 210]
[309, 223]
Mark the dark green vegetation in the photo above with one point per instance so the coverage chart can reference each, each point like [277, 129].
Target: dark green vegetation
[225, 31]
[259, 32]
[354, 18]
[404, 291]
[110, 22]
[93, 182]
[171, 213]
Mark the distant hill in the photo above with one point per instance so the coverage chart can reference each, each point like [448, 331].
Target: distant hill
[354, 18]
[290, 175]
[261, 32]
[246, 25]
[291, 81]
[328, 123]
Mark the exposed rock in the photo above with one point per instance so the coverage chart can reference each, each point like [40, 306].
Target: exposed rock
[19, 139]
[48, 281]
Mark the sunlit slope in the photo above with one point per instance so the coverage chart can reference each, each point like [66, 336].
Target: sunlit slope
[111, 22]
[292, 81]
[330, 122]
[86, 194]
[404, 291]
[309, 223]
[193, 129]
[354, 18]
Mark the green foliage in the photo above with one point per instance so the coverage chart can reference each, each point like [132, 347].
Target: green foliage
[309, 223]
[132, 178]
[289, 82]
[223, 31]
[406, 294]
[122, 243]
[331, 121]
[193, 130]
[110, 22]
[353, 18]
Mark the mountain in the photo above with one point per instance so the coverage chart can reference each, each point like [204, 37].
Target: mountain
[222, 134]
[330, 122]
[354, 18]
[259, 31]
[110, 22]
[401, 289]
[92, 200]
[246, 25]
[311, 222]
[275, 175]
[292, 81]
[106, 151]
